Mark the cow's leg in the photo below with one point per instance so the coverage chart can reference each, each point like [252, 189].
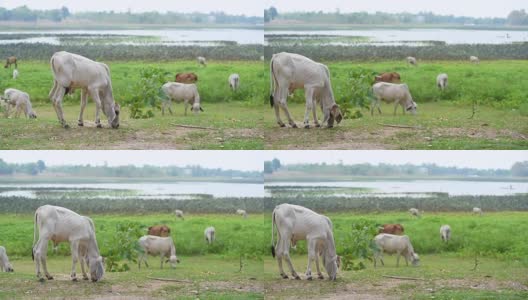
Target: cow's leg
[314, 111]
[170, 106]
[287, 113]
[277, 114]
[319, 274]
[312, 254]
[94, 93]
[162, 258]
[285, 251]
[83, 270]
[398, 260]
[84, 100]
[186, 106]
[57, 105]
[18, 109]
[308, 94]
[278, 255]
[396, 106]
[74, 247]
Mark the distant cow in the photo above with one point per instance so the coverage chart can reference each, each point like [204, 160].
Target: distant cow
[241, 212]
[201, 61]
[60, 224]
[441, 81]
[398, 94]
[391, 229]
[295, 223]
[289, 72]
[234, 81]
[445, 233]
[72, 71]
[415, 212]
[188, 93]
[474, 59]
[5, 265]
[392, 77]
[209, 234]
[11, 60]
[15, 74]
[262, 58]
[179, 214]
[186, 78]
[155, 245]
[159, 230]
[412, 61]
[395, 244]
[477, 210]
[18, 100]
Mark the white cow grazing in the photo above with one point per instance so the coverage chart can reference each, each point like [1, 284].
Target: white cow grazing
[201, 61]
[289, 72]
[179, 214]
[155, 245]
[445, 233]
[398, 94]
[234, 81]
[15, 74]
[415, 212]
[20, 101]
[477, 210]
[72, 71]
[412, 61]
[186, 92]
[474, 59]
[241, 212]
[295, 223]
[399, 244]
[5, 265]
[209, 234]
[441, 81]
[60, 224]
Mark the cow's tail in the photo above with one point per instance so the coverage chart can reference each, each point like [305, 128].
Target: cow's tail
[34, 236]
[272, 81]
[272, 233]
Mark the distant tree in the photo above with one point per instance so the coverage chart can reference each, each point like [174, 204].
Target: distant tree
[273, 13]
[65, 12]
[518, 17]
[266, 16]
[268, 167]
[276, 164]
[41, 166]
[520, 169]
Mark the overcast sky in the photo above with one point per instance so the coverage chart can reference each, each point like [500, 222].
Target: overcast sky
[238, 7]
[472, 159]
[473, 8]
[237, 160]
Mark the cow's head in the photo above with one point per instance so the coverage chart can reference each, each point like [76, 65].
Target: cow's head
[396, 77]
[196, 108]
[8, 267]
[335, 114]
[116, 109]
[331, 267]
[173, 261]
[415, 259]
[96, 268]
[412, 107]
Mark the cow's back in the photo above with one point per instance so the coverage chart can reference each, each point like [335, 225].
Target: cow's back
[63, 224]
[298, 70]
[73, 70]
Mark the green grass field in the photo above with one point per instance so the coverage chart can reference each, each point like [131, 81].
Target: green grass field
[235, 117]
[443, 119]
[212, 272]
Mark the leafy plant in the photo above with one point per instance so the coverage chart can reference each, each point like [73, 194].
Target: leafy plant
[123, 248]
[357, 244]
[147, 93]
[357, 93]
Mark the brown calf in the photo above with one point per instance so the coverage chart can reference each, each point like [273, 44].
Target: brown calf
[391, 229]
[159, 230]
[186, 78]
[392, 77]
[10, 61]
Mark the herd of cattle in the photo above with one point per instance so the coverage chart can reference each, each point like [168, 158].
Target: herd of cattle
[72, 71]
[290, 71]
[294, 223]
[290, 224]
[59, 224]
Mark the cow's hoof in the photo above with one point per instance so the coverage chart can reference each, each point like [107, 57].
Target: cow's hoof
[41, 279]
[74, 279]
[282, 124]
[297, 277]
[320, 277]
[80, 124]
[309, 278]
[99, 126]
[86, 278]
[285, 277]
[317, 125]
[49, 277]
[294, 125]
[306, 126]
[66, 126]
[330, 126]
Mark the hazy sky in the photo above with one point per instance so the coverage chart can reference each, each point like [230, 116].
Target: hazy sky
[474, 8]
[473, 159]
[237, 160]
[238, 7]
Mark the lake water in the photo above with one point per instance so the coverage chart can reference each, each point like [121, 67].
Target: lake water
[169, 36]
[453, 188]
[151, 190]
[450, 36]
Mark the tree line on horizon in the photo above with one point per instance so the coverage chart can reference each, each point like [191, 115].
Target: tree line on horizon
[519, 169]
[25, 14]
[130, 171]
[514, 18]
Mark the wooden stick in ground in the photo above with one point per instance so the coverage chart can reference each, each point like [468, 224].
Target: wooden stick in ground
[192, 126]
[169, 279]
[398, 277]
[398, 126]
